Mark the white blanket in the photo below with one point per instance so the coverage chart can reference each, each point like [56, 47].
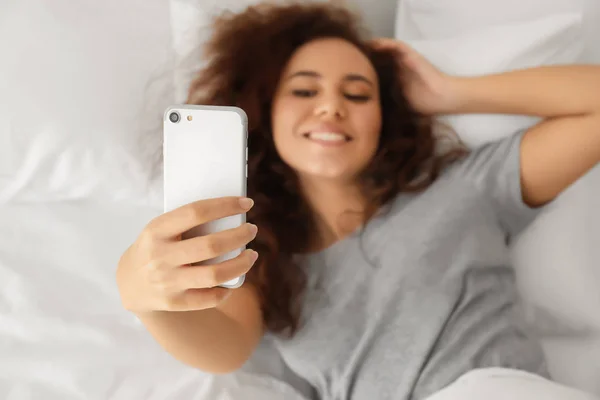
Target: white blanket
[505, 384]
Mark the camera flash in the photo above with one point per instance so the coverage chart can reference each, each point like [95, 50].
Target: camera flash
[189, 117]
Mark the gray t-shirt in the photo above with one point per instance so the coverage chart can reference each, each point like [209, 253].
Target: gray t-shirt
[424, 293]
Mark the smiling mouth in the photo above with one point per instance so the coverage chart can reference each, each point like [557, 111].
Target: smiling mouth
[327, 137]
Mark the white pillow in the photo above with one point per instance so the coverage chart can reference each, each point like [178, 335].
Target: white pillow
[592, 24]
[80, 83]
[545, 41]
[435, 19]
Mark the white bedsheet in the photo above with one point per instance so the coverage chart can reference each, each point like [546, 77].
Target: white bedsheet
[63, 332]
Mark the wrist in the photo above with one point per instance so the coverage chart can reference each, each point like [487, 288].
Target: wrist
[457, 95]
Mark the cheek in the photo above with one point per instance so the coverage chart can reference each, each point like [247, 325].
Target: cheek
[286, 115]
[369, 122]
[281, 116]
[282, 122]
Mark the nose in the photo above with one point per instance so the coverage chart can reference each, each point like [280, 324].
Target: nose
[331, 105]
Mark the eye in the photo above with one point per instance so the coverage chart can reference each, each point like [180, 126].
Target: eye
[358, 98]
[304, 93]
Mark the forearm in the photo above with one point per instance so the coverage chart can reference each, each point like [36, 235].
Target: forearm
[549, 92]
[208, 340]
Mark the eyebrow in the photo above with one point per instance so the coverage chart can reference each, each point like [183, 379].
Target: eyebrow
[349, 77]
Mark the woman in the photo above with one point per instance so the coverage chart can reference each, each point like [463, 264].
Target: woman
[381, 262]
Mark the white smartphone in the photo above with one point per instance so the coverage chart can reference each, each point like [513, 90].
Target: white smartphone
[205, 156]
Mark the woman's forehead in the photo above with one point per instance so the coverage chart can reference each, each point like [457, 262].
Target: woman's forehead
[330, 57]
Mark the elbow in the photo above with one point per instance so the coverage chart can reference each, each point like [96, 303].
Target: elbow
[229, 367]
[226, 370]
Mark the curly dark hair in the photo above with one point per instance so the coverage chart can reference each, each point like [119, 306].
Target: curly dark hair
[246, 56]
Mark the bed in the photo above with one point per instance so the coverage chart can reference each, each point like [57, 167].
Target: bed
[82, 89]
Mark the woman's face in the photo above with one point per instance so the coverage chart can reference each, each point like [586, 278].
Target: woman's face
[326, 114]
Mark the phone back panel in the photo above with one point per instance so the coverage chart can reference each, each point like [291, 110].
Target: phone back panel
[205, 157]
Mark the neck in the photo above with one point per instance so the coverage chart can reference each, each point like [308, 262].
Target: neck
[338, 207]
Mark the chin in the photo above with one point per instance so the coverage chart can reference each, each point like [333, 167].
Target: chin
[330, 173]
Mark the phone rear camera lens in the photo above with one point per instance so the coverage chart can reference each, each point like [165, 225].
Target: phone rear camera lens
[174, 117]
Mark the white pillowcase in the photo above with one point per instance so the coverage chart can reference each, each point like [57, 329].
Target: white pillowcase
[435, 19]
[440, 19]
[81, 83]
[592, 25]
[556, 39]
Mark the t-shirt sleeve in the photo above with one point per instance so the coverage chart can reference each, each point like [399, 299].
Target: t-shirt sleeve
[495, 170]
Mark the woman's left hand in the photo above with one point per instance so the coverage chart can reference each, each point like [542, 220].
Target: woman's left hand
[429, 90]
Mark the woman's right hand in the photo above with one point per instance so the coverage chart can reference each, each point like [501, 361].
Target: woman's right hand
[155, 274]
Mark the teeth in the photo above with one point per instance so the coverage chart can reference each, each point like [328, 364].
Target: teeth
[328, 136]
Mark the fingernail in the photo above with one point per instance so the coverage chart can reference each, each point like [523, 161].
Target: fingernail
[246, 203]
[253, 228]
[253, 255]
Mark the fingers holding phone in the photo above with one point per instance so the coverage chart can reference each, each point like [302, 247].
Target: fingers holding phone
[155, 273]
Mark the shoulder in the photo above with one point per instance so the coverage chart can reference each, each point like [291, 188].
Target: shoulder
[490, 159]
